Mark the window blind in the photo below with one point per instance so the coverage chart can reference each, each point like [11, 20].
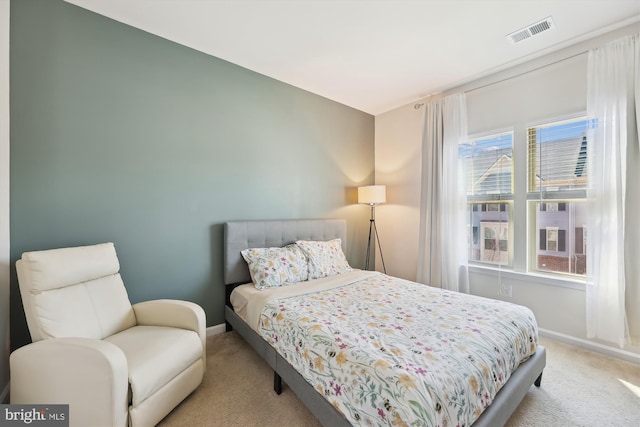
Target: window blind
[557, 155]
[488, 167]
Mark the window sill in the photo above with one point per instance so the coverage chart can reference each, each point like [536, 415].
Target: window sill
[530, 278]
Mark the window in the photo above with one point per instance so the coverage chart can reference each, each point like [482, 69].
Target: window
[549, 239]
[488, 175]
[553, 175]
[557, 180]
[495, 242]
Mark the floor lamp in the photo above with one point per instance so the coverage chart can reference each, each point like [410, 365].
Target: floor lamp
[373, 195]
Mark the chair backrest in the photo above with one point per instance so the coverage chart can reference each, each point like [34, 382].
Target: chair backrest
[74, 292]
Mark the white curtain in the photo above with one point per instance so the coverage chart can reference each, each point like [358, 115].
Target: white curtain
[612, 103]
[442, 250]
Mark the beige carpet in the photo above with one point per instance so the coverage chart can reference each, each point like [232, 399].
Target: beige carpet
[579, 388]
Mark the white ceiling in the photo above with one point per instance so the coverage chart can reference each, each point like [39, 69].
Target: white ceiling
[372, 55]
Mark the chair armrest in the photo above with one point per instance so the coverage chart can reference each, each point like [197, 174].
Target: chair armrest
[176, 314]
[173, 313]
[89, 375]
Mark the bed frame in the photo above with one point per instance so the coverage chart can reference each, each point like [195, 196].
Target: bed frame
[239, 235]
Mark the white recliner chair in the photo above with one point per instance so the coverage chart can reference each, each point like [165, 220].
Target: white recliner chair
[114, 363]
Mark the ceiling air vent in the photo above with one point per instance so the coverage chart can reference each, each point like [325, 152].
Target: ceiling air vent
[531, 30]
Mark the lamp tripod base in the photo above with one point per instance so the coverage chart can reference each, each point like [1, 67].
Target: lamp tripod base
[373, 234]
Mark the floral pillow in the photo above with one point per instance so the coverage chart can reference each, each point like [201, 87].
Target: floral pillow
[273, 267]
[325, 258]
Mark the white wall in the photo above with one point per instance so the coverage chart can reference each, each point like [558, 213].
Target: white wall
[397, 165]
[4, 198]
[544, 88]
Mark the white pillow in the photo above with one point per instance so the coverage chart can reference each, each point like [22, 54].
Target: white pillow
[273, 267]
[325, 258]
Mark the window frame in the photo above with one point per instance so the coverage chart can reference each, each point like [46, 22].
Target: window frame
[543, 196]
[483, 201]
[521, 210]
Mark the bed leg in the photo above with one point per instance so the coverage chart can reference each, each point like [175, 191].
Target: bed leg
[228, 327]
[538, 380]
[277, 383]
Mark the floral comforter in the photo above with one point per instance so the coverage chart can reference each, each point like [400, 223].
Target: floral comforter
[386, 351]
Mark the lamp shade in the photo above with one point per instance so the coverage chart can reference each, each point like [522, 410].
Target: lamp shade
[372, 194]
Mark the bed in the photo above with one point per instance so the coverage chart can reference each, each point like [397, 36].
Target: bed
[380, 367]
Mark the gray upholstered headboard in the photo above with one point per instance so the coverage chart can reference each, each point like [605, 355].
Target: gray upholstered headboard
[239, 235]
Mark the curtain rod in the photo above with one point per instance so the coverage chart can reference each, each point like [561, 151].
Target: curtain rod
[575, 55]
[418, 105]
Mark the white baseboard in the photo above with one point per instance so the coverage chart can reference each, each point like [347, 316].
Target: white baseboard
[4, 396]
[216, 329]
[592, 346]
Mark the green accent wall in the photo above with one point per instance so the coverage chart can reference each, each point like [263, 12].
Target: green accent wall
[119, 135]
